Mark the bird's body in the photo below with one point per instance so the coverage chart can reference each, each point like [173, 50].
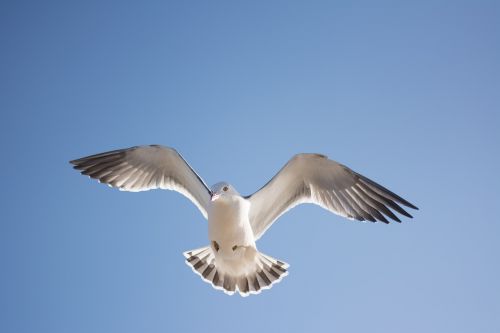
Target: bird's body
[228, 224]
[233, 252]
[230, 234]
[231, 261]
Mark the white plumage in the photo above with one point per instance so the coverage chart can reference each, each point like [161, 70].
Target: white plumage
[232, 262]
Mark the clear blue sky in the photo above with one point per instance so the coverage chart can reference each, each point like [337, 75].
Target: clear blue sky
[406, 93]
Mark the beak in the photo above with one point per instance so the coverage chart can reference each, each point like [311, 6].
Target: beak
[214, 196]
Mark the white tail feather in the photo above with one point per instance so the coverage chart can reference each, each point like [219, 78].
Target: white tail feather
[264, 273]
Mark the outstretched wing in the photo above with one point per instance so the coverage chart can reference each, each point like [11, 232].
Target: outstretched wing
[144, 168]
[313, 178]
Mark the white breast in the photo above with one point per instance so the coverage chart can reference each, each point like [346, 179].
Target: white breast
[228, 224]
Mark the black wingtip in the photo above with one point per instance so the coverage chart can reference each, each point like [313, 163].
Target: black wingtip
[395, 218]
[78, 161]
[405, 213]
[382, 218]
[408, 204]
[391, 194]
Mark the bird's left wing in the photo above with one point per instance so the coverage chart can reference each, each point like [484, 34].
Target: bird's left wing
[313, 178]
[144, 168]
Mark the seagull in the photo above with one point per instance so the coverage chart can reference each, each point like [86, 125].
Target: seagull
[231, 262]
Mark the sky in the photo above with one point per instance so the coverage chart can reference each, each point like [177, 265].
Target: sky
[404, 92]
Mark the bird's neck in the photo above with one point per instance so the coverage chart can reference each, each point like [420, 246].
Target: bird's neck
[232, 208]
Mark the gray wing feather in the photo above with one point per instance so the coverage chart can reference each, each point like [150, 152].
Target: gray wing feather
[313, 178]
[144, 168]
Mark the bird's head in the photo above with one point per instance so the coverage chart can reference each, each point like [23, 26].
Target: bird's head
[223, 191]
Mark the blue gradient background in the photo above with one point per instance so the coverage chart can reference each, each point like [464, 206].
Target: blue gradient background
[406, 93]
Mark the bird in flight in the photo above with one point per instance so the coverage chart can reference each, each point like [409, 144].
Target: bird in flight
[231, 262]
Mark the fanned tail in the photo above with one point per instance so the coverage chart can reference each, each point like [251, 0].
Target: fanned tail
[262, 272]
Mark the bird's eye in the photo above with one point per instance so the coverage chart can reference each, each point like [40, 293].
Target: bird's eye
[225, 188]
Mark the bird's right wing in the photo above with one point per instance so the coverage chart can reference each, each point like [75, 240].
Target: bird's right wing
[144, 168]
[313, 178]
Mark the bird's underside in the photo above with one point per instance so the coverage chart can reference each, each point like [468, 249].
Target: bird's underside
[232, 262]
